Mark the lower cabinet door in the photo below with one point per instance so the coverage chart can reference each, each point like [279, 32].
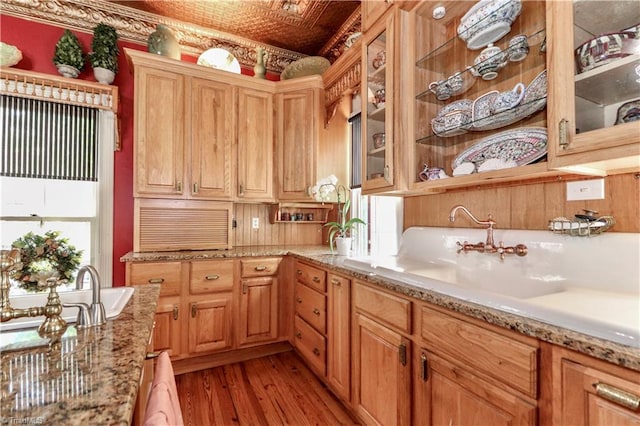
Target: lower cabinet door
[166, 333]
[458, 397]
[258, 320]
[382, 374]
[210, 323]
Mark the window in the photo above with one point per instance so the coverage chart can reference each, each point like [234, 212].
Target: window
[56, 173]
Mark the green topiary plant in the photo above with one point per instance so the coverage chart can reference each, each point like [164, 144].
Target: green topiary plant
[69, 52]
[104, 48]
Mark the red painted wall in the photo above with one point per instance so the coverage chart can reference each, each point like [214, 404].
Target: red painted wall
[37, 42]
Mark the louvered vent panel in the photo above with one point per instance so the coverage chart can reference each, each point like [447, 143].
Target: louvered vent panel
[168, 229]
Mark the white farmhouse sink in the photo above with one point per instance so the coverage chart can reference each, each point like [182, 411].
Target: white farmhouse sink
[114, 300]
[587, 284]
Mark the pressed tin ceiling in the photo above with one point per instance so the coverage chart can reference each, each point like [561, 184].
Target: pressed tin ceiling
[303, 26]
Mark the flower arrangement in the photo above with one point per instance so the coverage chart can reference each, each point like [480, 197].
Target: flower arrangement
[45, 256]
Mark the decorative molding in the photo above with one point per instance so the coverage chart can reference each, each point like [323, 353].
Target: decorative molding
[335, 47]
[135, 26]
[342, 78]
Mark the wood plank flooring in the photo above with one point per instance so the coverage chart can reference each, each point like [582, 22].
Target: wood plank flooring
[274, 390]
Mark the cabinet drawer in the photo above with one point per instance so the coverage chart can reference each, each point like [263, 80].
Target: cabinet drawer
[167, 274]
[313, 277]
[508, 360]
[211, 276]
[311, 344]
[259, 267]
[388, 308]
[312, 307]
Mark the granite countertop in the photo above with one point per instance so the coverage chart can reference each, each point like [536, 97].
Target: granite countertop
[87, 376]
[615, 353]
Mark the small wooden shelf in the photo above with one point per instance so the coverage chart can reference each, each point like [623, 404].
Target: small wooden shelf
[378, 114]
[320, 212]
[611, 83]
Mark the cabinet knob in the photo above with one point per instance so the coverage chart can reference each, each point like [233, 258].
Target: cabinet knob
[156, 280]
[194, 310]
[178, 186]
[241, 189]
[299, 272]
[423, 367]
[402, 353]
[316, 311]
[298, 335]
[152, 355]
[212, 277]
[299, 299]
[316, 351]
[335, 282]
[244, 288]
[260, 268]
[175, 313]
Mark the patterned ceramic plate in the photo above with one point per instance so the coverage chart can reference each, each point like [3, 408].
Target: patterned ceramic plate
[524, 145]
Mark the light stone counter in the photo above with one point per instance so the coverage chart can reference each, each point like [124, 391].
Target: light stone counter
[615, 353]
[88, 377]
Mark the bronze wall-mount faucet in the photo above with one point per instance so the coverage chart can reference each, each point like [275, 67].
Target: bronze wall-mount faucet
[488, 246]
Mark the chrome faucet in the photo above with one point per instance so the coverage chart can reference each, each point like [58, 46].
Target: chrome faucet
[97, 313]
[489, 246]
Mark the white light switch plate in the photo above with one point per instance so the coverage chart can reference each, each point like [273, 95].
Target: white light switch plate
[255, 223]
[592, 189]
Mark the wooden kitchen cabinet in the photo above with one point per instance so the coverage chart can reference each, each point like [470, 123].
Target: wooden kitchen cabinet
[258, 313]
[299, 118]
[255, 145]
[585, 133]
[382, 368]
[339, 335]
[170, 318]
[593, 392]
[183, 144]
[372, 10]
[458, 397]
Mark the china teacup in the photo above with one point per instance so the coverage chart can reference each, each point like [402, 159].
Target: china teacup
[509, 99]
[441, 89]
[518, 48]
[489, 62]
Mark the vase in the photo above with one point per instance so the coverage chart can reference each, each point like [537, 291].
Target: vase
[343, 246]
[163, 42]
[67, 71]
[103, 75]
[260, 67]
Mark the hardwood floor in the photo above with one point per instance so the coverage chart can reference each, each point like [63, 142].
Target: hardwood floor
[274, 390]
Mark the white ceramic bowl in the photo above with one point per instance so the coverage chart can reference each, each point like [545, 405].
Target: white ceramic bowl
[488, 21]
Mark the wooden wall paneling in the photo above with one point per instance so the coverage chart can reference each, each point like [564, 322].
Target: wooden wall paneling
[528, 206]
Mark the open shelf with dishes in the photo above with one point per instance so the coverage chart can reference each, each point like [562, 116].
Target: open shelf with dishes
[480, 92]
[300, 213]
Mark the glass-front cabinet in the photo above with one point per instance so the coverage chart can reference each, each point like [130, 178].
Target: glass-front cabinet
[479, 93]
[378, 101]
[594, 110]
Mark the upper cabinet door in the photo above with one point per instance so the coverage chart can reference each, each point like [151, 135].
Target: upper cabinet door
[372, 10]
[212, 133]
[378, 103]
[297, 120]
[255, 145]
[594, 85]
[159, 136]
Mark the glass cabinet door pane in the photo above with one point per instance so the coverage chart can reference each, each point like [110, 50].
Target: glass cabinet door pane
[607, 56]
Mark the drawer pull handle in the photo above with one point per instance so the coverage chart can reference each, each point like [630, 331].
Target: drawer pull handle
[245, 287]
[195, 188]
[178, 186]
[316, 279]
[211, 277]
[316, 351]
[335, 282]
[298, 335]
[316, 311]
[194, 310]
[260, 268]
[156, 280]
[618, 396]
[299, 272]
[299, 299]
[402, 353]
[423, 367]
[152, 355]
[175, 313]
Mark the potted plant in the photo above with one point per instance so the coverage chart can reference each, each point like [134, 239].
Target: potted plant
[104, 53]
[340, 231]
[68, 56]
